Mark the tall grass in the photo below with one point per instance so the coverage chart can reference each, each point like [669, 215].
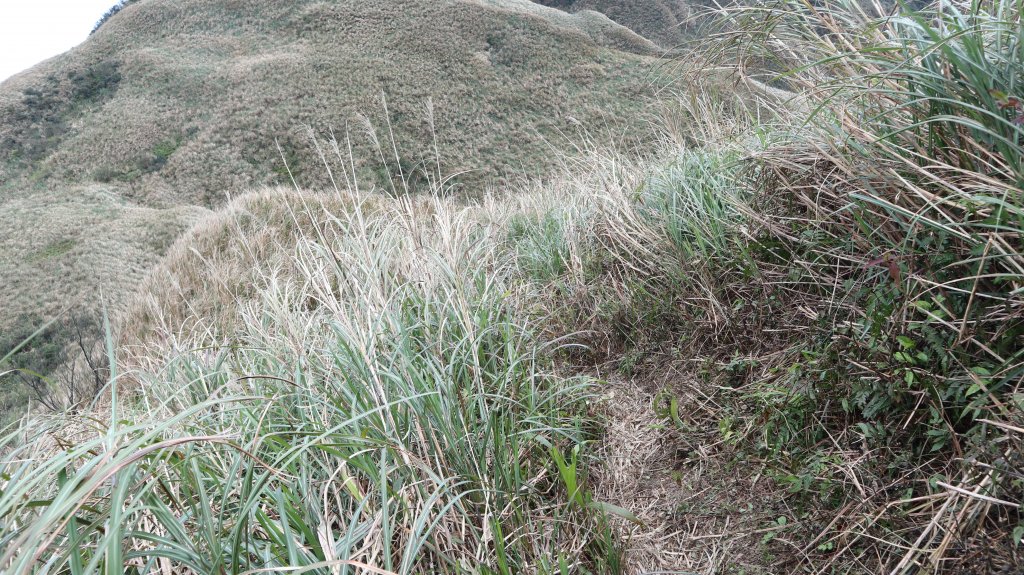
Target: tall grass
[843, 283]
[856, 274]
[894, 214]
[383, 410]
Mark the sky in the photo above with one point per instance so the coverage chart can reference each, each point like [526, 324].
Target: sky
[34, 30]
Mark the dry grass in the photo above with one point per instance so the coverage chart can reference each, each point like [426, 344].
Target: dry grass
[218, 266]
[212, 290]
[220, 90]
[431, 399]
[84, 249]
[196, 101]
[788, 344]
[226, 84]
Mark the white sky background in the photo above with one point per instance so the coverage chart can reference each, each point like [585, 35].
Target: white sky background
[33, 30]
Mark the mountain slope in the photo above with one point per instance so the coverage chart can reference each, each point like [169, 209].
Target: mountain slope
[662, 21]
[184, 103]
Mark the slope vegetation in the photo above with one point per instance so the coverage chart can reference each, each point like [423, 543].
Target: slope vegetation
[787, 339]
[110, 151]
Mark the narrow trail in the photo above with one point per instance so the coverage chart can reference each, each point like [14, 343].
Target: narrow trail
[702, 510]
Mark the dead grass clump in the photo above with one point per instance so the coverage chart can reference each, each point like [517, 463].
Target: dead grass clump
[219, 266]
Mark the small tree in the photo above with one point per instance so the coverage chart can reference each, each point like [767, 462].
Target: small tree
[62, 366]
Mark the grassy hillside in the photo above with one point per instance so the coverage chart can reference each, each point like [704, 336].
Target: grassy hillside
[110, 151]
[785, 338]
[185, 103]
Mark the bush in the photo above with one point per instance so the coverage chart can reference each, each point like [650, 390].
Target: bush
[909, 201]
[894, 214]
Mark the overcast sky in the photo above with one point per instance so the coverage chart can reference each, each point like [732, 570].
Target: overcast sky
[34, 30]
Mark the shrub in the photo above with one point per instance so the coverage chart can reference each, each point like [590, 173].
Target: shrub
[909, 200]
[894, 215]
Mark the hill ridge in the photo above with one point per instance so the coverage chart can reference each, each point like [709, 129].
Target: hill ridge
[182, 103]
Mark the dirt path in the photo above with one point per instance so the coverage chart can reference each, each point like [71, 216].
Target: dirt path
[704, 511]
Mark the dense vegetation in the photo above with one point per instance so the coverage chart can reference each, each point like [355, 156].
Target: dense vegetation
[791, 342]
